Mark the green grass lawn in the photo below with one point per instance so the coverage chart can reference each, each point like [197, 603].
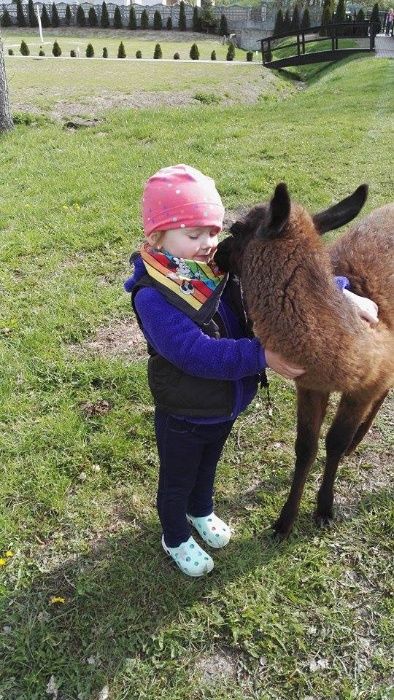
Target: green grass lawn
[308, 618]
[133, 41]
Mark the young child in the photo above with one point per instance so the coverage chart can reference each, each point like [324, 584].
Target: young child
[204, 365]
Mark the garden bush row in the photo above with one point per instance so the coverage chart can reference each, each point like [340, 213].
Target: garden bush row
[194, 52]
[203, 20]
[293, 21]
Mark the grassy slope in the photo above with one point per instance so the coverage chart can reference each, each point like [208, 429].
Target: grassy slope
[311, 617]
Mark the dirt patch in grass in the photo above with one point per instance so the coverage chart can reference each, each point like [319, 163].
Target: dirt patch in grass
[213, 668]
[122, 339]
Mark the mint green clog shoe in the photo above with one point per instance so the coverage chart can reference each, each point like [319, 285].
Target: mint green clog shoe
[190, 558]
[211, 529]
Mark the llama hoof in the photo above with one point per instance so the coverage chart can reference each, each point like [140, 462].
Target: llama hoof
[324, 520]
[281, 530]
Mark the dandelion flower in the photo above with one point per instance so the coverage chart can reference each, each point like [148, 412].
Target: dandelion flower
[56, 599]
[3, 562]
[9, 553]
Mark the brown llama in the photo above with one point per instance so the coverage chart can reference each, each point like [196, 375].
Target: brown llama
[296, 309]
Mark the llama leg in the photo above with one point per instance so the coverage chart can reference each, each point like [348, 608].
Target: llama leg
[365, 426]
[311, 408]
[348, 420]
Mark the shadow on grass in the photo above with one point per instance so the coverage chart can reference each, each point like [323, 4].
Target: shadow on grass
[121, 598]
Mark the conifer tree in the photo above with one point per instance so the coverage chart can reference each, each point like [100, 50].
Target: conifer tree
[306, 20]
[104, 20]
[223, 26]
[56, 50]
[196, 20]
[45, 18]
[213, 56]
[55, 16]
[33, 21]
[138, 54]
[176, 56]
[73, 53]
[6, 19]
[89, 50]
[121, 51]
[41, 52]
[20, 16]
[68, 16]
[249, 56]
[118, 23]
[340, 13]
[92, 17]
[287, 21]
[144, 19]
[105, 52]
[132, 18]
[81, 19]
[169, 23]
[375, 20]
[279, 22]
[24, 49]
[325, 18]
[157, 52]
[295, 20]
[230, 52]
[182, 17]
[157, 21]
[194, 52]
[360, 17]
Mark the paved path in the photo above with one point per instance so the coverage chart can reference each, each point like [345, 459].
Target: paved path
[384, 46]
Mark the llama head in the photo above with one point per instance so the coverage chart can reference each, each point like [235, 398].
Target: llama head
[229, 254]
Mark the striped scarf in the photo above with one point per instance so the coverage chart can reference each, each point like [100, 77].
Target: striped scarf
[194, 282]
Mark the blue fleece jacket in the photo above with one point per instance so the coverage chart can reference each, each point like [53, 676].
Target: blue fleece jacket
[177, 338]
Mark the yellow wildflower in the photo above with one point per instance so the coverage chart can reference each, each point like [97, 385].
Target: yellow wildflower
[9, 553]
[57, 599]
[3, 562]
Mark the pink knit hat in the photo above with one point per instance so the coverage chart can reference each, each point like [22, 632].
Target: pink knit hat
[181, 197]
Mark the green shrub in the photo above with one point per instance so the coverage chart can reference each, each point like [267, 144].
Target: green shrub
[157, 20]
[213, 56]
[157, 52]
[41, 52]
[24, 49]
[208, 20]
[55, 16]
[194, 52]
[89, 51]
[325, 18]
[92, 17]
[279, 23]
[81, 19]
[295, 20]
[6, 19]
[182, 17]
[249, 56]
[104, 19]
[121, 51]
[118, 23]
[169, 23]
[73, 53]
[230, 52]
[105, 52]
[144, 20]
[132, 18]
[207, 98]
[287, 21]
[176, 56]
[68, 16]
[138, 54]
[56, 50]
[10, 52]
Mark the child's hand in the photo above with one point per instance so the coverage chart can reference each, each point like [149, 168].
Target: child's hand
[366, 308]
[281, 366]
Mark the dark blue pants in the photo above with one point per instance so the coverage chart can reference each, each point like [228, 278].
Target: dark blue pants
[188, 453]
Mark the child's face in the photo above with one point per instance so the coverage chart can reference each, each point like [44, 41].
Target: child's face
[198, 243]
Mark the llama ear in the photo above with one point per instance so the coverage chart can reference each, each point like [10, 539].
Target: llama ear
[341, 213]
[277, 214]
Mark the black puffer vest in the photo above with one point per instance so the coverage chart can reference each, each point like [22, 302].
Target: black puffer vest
[182, 394]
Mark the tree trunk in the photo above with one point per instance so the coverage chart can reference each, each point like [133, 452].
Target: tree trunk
[5, 114]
